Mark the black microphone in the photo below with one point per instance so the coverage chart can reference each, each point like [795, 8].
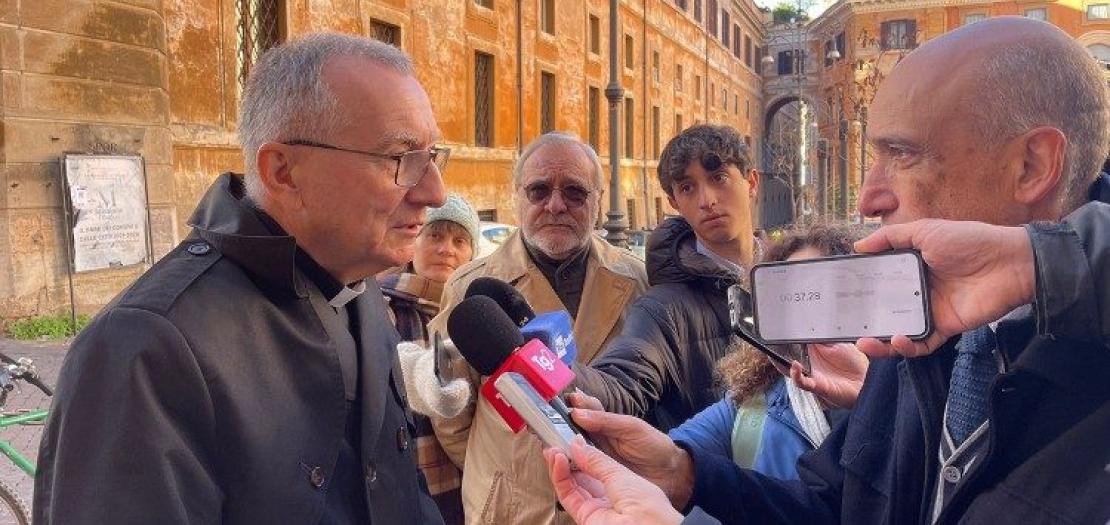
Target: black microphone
[482, 333]
[555, 328]
[508, 298]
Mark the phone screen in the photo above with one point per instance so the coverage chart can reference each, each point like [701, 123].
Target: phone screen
[841, 298]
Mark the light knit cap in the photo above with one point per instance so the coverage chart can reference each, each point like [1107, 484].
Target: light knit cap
[458, 211]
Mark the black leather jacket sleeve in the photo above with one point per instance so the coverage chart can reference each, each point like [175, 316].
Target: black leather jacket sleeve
[1073, 274]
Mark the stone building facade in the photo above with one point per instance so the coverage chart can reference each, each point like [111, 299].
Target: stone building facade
[871, 36]
[161, 79]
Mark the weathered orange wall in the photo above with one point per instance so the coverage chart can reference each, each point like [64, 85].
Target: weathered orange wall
[442, 38]
[204, 96]
[160, 78]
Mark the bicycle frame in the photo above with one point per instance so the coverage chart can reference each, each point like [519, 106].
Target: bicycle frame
[21, 461]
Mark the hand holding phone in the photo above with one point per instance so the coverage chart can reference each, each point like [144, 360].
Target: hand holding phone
[841, 298]
[742, 322]
[977, 273]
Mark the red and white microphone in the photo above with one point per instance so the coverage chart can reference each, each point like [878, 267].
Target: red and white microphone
[492, 343]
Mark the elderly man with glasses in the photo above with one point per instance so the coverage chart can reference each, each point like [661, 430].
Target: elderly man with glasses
[251, 375]
[556, 263]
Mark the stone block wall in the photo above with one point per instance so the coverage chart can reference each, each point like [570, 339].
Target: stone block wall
[76, 76]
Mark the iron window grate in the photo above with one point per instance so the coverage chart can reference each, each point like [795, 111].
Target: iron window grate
[259, 29]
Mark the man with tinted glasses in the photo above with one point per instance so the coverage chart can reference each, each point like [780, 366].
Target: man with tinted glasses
[250, 376]
[556, 263]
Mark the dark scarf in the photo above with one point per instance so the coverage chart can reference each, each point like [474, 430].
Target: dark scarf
[566, 277]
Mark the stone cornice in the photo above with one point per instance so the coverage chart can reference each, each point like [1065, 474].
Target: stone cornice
[1097, 36]
[834, 18]
[752, 13]
[845, 8]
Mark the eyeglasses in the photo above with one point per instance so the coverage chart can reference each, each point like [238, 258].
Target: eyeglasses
[411, 165]
[539, 193]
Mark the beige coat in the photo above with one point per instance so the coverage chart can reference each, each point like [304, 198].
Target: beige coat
[505, 479]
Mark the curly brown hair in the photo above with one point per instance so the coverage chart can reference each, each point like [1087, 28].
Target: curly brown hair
[746, 371]
[706, 144]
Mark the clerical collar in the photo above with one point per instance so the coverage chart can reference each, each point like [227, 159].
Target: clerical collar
[346, 294]
[337, 294]
[728, 265]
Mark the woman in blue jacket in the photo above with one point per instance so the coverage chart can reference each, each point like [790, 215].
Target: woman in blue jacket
[767, 420]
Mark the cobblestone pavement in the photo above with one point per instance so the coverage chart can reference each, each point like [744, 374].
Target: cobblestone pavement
[25, 438]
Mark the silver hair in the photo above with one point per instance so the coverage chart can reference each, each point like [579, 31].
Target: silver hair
[557, 137]
[1067, 92]
[287, 98]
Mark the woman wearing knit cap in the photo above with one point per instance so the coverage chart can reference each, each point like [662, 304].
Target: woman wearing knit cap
[448, 240]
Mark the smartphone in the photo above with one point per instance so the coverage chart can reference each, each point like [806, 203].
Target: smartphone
[742, 321]
[444, 353]
[554, 429]
[841, 298]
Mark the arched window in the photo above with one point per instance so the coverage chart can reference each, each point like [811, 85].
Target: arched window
[1101, 52]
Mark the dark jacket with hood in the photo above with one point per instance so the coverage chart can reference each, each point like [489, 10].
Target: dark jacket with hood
[212, 391]
[661, 366]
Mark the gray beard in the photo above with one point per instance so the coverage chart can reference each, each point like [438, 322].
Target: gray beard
[555, 249]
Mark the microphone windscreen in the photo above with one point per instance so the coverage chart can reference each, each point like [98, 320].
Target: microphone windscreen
[556, 330]
[508, 298]
[483, 333]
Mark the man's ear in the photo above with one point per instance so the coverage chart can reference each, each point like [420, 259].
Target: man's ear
[1042, 164]
[753, 181]
[670, 200]
[275, 171]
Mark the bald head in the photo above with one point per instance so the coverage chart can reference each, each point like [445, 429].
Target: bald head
[990, 38]
[1002, 77]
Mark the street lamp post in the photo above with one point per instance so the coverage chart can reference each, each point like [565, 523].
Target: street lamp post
[842, 188]
[823, 175]
[616, 226]
[799, 79]
[862, 149]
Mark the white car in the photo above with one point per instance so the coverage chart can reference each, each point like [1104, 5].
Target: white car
[493, 235]
[637, 241]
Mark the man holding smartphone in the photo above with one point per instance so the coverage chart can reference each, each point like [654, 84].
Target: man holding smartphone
[1008, 421]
